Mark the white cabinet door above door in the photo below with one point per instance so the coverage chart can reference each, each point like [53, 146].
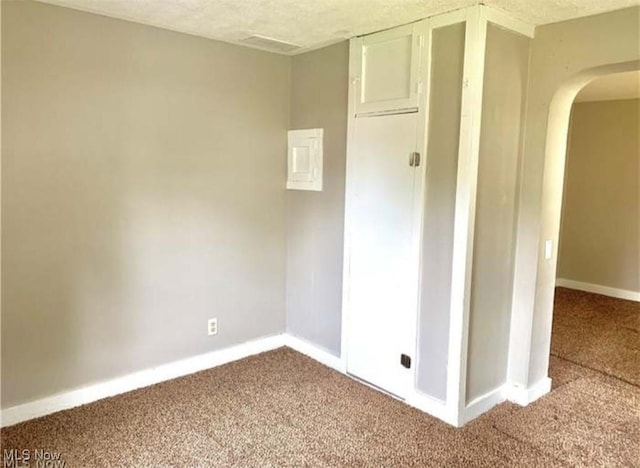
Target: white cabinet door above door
[387, 69]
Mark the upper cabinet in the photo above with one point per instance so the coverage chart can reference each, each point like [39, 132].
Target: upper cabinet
[386, 69]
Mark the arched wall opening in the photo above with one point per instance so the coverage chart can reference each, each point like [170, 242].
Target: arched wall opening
[553, 181]
[531, 333]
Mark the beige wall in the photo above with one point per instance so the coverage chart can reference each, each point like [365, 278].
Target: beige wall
[315, 220]
[142, 193]
[506, 61]
[564, 56]
[600, 235]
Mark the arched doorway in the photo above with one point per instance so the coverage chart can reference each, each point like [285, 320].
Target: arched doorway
[596, 315]
[538, 233]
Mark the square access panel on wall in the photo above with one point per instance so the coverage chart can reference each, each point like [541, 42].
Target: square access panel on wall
[304, 159]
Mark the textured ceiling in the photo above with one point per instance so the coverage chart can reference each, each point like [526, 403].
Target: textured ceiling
[314, 23]
[617, 86]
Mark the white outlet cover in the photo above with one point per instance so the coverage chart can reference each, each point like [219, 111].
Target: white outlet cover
[212, 326]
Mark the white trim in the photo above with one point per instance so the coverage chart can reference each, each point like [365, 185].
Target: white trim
[432, 406]
[464, 217]
[443, 410]
[317, 353]
[482, 404]
[144, 378]
[524, 396]
[423, 32]
[348, 196]
[515, 394]
[502, 19]
[599, 289]
[423, 402]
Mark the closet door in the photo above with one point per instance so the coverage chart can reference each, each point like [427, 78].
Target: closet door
[386, 68]
[382, 280]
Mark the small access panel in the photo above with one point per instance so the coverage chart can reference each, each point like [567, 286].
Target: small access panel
[304, 159]
[387, 70]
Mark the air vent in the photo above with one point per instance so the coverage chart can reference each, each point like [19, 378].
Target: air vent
[268, 43]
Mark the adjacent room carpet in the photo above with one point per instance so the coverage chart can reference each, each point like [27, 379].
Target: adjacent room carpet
[284, 409]
[598, 332]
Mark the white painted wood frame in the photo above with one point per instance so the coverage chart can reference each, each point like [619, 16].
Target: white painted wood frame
[455, 410]
[447, 410]
[464, 217]
[475, 51]
[419, 71]
[358, 61]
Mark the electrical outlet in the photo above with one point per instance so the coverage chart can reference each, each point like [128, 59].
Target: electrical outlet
[212, 326]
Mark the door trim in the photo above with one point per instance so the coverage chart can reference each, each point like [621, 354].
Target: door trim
[421, 69]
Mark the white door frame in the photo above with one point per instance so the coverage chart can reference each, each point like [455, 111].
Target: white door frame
[421, 28]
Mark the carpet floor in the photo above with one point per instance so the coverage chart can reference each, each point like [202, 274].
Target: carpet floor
[282, 409]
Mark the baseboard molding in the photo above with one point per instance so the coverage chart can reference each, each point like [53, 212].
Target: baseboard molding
[144, 378]
[418, 400]
[482, 404]
[524, 396]
[599, 289]
[433, 407]
[317, 353]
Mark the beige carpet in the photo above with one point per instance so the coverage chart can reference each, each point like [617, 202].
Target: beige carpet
[598, 332]
[283, 409]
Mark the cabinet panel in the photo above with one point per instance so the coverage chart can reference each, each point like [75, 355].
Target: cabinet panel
[387, 70]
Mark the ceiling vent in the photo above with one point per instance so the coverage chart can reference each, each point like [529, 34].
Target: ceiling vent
[267, 43]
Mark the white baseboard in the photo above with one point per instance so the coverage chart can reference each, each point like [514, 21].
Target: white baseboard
[518, 395]
[418, 400]
[91, 393]
[482, 404]
[599, 289]
[144, 378]
[524, 396]
[315, 352]
[432, 406]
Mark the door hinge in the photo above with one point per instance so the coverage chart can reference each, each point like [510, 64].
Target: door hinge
[405, 361]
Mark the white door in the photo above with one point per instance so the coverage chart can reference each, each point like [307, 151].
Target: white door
[381, 301]
[386, 68]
